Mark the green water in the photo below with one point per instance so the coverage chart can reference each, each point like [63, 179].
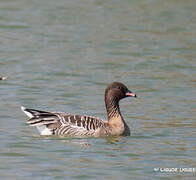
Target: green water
[60, 55]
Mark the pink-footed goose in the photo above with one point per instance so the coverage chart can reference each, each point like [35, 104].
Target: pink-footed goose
[65, 124]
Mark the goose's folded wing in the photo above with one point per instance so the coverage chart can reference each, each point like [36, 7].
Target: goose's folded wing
[78, 125]
[60, 123]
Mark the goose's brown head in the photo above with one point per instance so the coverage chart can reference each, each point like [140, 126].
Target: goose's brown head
[117, 91]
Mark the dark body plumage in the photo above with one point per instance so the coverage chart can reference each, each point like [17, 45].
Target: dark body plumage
[65, 124]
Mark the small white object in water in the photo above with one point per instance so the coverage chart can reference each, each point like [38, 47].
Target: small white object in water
[3, 77]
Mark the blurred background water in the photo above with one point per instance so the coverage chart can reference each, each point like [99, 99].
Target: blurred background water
[60, 55]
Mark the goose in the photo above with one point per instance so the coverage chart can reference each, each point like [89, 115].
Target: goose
[65, 124]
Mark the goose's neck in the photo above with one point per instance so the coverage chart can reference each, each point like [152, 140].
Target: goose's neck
[115, 120]
[113, 109]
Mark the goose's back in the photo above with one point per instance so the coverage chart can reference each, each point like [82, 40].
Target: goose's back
[59, 123]
[76, 125]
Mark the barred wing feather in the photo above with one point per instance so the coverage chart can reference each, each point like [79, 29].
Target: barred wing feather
[59, 123]
[78, 125]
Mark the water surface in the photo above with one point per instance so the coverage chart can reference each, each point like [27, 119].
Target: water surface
[60, 55]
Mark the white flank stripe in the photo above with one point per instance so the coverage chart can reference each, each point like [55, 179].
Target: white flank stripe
[43, 130]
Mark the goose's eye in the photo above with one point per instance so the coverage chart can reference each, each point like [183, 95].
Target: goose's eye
[120, 88]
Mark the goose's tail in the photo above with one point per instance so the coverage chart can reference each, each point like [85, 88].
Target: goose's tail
[40, 119]
[32, 112]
